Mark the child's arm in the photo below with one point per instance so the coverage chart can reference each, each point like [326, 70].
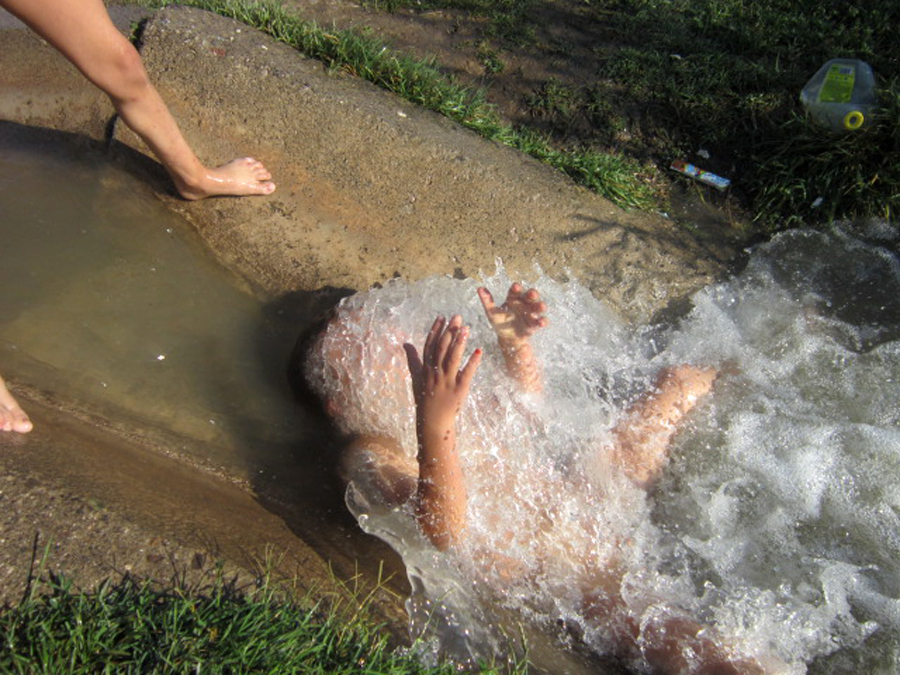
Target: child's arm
[515, 321]
[440, 388]
[641, 440]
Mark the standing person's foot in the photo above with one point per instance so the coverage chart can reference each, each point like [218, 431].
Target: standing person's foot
[238, 178]
[12, 417]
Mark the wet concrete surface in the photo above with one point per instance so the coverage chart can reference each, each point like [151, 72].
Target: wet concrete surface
[370, 187]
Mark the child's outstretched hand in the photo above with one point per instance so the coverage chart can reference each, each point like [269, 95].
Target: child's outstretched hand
[514, 322]
[440, 386]
[517, 319]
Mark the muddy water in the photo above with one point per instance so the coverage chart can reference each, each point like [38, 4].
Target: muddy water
[115, 305]
[113, 310]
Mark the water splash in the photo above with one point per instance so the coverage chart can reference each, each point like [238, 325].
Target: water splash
[777, 520]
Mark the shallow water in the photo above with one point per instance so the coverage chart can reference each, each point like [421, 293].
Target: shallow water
[110, 302]
[777, 519]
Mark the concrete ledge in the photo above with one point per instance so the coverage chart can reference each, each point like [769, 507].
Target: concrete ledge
[371, 187]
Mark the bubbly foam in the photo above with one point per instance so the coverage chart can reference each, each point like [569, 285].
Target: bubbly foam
[777, 520]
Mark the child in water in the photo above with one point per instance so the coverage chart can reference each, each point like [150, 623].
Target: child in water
[434, 482]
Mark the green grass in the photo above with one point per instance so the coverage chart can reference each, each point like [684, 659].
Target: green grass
[724, 76]
[421, 82]
[132, 626]
[804, 173]
[672, 78]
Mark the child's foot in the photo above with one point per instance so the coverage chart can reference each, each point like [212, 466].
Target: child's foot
[641, 439]
[681, 388]
[12, 417]
[238, 178]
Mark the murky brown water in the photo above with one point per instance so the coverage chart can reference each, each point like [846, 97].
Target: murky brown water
[112, 308]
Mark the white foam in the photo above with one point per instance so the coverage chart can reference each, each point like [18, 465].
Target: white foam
[777, 519]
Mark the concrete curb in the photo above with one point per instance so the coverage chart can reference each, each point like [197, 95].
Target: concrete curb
[372, 187]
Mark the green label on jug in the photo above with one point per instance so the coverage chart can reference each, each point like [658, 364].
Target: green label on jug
[838, 84]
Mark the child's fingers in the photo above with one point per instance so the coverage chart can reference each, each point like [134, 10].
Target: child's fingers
[456, 350]
[442, 350]
[537, 320]
[487, 301]
[468, 372]
[514, 294]
[431, 341]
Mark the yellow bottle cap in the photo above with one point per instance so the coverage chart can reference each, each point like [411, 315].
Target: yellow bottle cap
[854, 120]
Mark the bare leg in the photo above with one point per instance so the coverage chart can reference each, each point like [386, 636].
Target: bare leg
[84, 33]
[670, 643]
[641, 439]
[12, 417]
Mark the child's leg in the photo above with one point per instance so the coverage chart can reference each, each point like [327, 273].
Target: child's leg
[641, 439]
[669, 642]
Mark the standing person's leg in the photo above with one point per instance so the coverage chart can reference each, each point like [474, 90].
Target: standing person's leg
[84, 33]
[12, 417]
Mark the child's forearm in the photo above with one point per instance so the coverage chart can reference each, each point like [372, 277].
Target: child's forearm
[522, 365]
[440, 494]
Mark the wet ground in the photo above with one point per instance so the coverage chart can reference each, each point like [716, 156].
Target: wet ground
[166, 437]
[369, 188]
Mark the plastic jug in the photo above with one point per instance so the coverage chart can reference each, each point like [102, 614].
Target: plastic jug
[841, 94]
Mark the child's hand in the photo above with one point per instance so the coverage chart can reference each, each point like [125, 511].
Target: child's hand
[517, 319]
[440, 387]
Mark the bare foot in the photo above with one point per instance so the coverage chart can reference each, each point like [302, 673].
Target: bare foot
[12, 417]
[641, 439]
[682, 388]
[238, 178]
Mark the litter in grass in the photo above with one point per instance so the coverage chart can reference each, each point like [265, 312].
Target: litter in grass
[699, 174]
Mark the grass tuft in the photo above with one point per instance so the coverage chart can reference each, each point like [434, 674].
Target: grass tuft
[134, 626]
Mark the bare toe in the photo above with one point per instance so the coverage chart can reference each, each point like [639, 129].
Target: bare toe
[12, 417]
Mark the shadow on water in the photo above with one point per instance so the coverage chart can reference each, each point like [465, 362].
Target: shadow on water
[305, 489]
[119, 313]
